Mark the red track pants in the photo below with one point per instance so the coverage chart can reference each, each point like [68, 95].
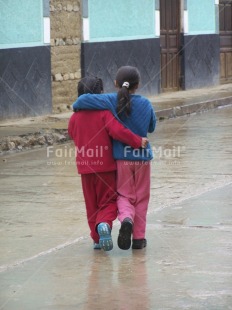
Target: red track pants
[100, 199]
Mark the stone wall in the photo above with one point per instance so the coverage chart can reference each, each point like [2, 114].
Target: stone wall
[66, 29]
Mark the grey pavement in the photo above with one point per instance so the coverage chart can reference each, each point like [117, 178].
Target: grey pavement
[47, 260]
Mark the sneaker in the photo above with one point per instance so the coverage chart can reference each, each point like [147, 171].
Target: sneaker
[124, 237]
[105, 240]
[96, 246]
[138, 244]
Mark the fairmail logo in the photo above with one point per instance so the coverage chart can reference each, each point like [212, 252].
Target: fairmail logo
[84, 152]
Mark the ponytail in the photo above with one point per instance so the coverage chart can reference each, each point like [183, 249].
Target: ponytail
[127, 80]
[124, 104]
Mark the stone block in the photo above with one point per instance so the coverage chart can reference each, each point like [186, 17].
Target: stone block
[58, 77]
[71, 76]
[69, 7]
[66, 77]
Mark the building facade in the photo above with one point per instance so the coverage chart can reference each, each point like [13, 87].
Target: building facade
[25, 58]
[176, 45]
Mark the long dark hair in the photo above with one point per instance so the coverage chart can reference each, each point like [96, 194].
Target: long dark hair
[127, 78]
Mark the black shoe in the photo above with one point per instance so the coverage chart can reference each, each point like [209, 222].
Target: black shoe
[138, 244]
[124, 237]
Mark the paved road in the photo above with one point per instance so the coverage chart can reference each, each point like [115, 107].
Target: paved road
[47, 261]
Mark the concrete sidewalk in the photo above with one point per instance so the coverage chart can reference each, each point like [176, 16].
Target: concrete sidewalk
[28, 133]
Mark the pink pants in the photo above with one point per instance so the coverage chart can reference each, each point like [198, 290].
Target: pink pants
[133, 186]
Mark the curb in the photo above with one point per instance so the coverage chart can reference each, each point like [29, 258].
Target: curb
[47, 137]
[193, 108]
[35, 140]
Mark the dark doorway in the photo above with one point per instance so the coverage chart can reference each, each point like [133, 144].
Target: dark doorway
[170, 44]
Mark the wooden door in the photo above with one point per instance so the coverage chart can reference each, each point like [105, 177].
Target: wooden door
[170, 44]
[225, 9]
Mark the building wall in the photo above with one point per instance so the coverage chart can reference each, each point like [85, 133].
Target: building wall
[117, 33]
[109, 27]
[201, 17]
[65, 52]
[201, 44]
[21, 30]
[119, 19]
[94, 37]
[25, 69]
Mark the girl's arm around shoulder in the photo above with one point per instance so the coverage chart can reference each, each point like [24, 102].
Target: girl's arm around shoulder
[118, 132]
[95, 102]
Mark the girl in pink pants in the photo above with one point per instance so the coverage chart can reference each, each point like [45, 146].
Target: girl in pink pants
[133, 186]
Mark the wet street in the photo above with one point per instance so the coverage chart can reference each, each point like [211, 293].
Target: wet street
[47, 260]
